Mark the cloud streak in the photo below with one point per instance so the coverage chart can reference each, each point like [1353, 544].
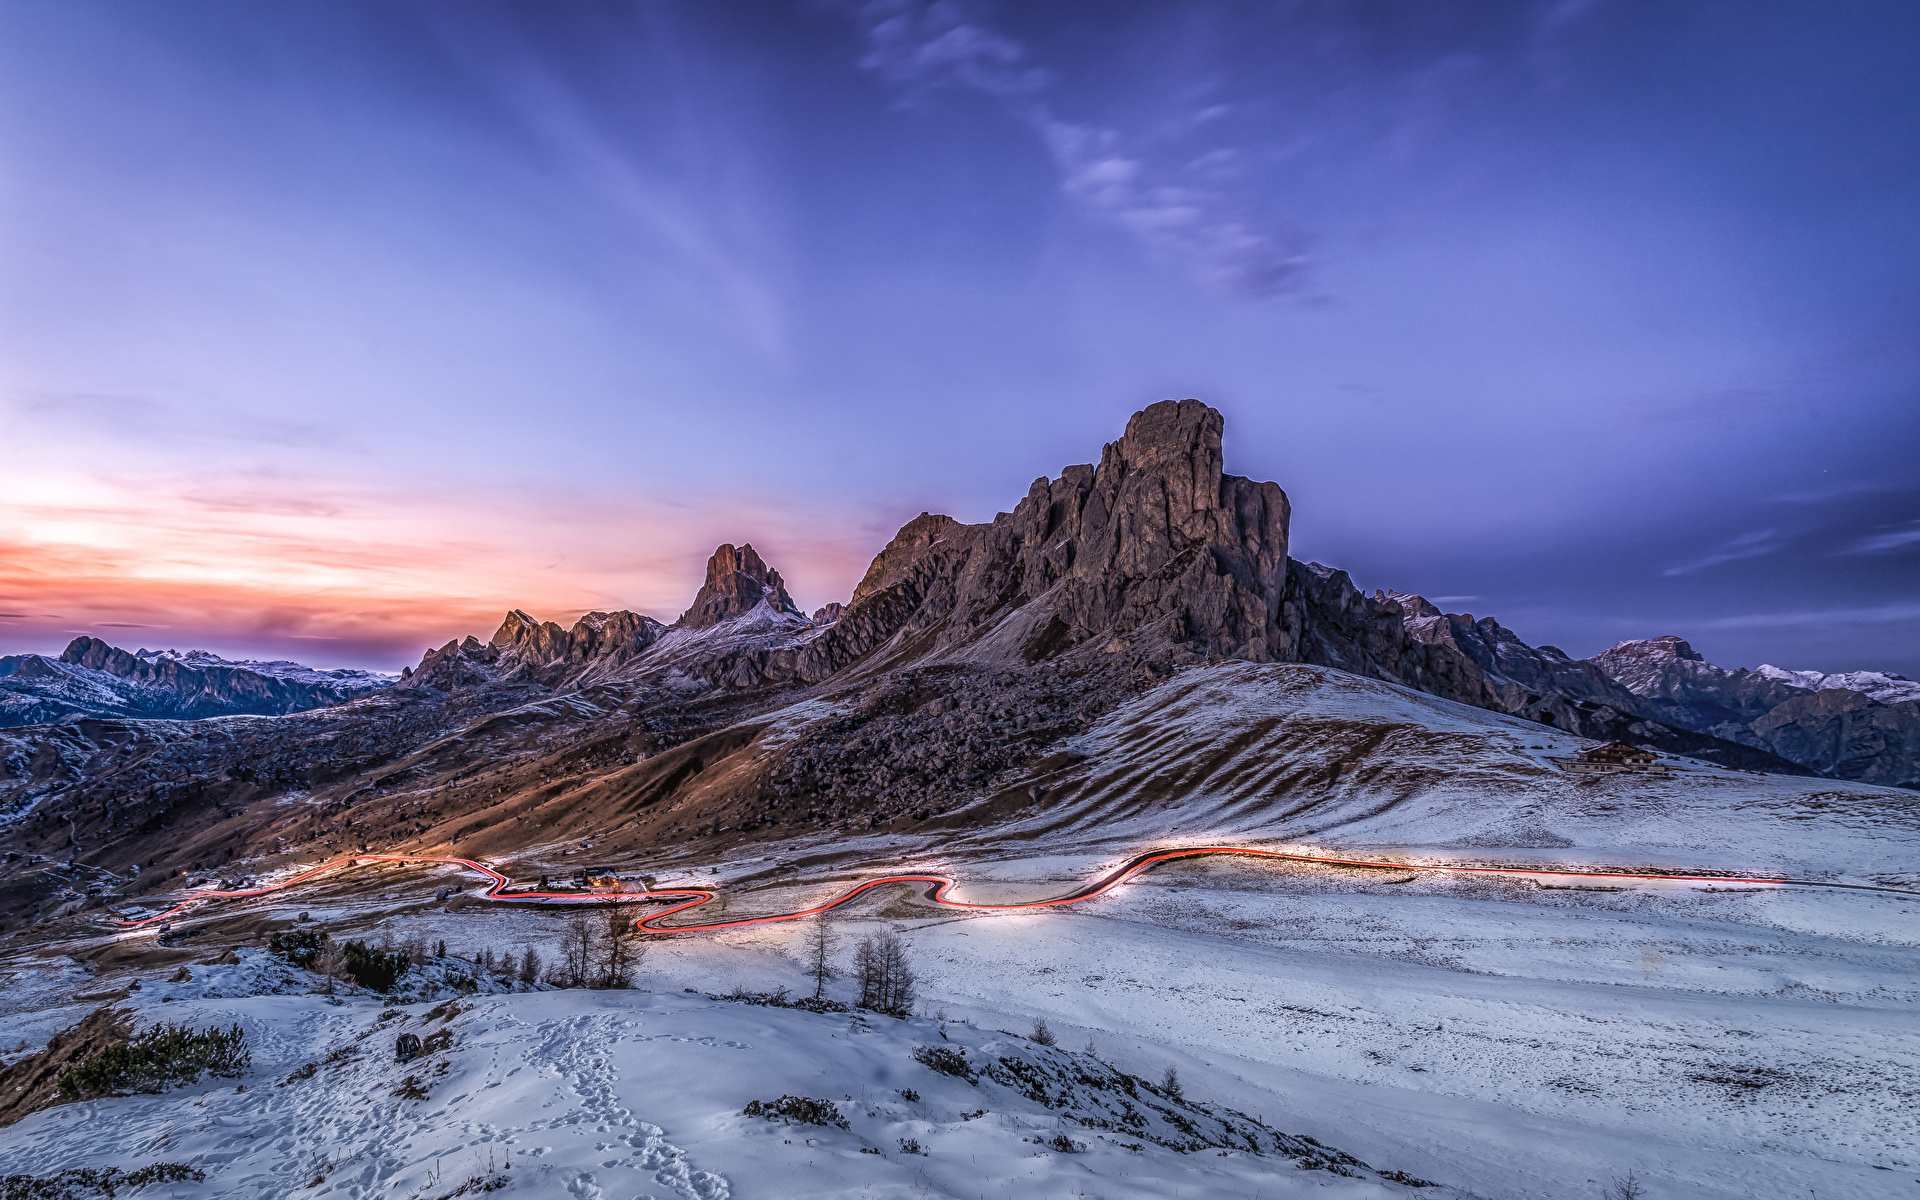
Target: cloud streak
[1881, 543]
[1183, 212]
[1747, 545]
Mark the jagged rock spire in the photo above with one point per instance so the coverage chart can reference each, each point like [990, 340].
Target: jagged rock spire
[737, 581]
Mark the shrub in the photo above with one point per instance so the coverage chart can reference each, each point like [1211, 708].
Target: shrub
[945, 1060]
[1066, 1145]
[1042, 1036]
[909, 1095]
[911, 1146]
[78, 1182]
[801, 1109]
[301, 947]
[163, 1056]
[374, 969]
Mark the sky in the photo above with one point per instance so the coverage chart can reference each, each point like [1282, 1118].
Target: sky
[333, 330]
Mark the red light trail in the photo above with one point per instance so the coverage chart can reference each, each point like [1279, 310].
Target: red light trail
[692, 898]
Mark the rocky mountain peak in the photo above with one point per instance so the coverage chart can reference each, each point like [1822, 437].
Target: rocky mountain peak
[1179, 441]
[1669, 648]
[737, 581]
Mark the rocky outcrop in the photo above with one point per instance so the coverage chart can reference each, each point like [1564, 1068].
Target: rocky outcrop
[737, 582]
[1155, 552]
[526, 650]
[1482, 662]
[454, 666]
[1524, 677]
[91, 678]
[1847, 735]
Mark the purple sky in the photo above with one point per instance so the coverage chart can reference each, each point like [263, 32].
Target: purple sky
[332, 329]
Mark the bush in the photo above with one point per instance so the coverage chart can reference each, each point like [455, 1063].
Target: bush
[373, 969]
[301, 947]
[164, 1056]
[945, 1060]
[911, 1146]
[799, 1109]
[778, 998]
[1066, 1145]
[79, 1182]
[1042, 1036]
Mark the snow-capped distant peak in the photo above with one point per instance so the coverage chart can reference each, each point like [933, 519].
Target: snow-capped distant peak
[1883, 686]
[278, 668]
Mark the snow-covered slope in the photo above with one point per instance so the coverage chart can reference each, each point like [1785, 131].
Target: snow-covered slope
[1307, 754]
[618, 1094]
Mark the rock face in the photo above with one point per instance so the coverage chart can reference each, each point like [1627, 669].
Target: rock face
[526, 650]
[1155, 551]
[1524, 677]
[1805, 717]
[1847, 735]
[1541, 683]
[1684, 688]
[737, 582]
[94, 679]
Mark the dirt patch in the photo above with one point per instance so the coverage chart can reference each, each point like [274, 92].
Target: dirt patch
[33, 1083]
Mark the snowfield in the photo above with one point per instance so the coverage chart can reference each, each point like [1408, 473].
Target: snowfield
[591, 1094]
[1505, 1037]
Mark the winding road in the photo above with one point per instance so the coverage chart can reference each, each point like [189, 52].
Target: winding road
[938, 887]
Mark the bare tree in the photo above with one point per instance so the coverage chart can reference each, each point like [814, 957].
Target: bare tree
[530, 966]
[1170, 1083]
[577, 940]
[330, 962]
[621, 952]
[886, 976]
[820, 942]
[1042, 1036]
[1629, 1188]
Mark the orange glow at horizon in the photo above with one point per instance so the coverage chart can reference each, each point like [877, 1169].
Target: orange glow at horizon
[369, 575]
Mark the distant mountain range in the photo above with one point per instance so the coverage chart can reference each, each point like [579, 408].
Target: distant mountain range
[93, 679]
[1862, 725]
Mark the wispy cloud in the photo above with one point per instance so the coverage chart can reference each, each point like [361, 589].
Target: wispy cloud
[1183, 207]
[921, 45]
[1881, 543]
[681, 177]
[1827, 618]
[1747, 545]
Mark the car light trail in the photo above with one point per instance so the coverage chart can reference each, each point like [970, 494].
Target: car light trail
[938, 886]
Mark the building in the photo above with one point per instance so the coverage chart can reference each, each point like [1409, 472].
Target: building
[1612, 759]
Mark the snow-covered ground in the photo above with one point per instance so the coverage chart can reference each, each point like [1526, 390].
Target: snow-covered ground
[592, 1094]
[1505, 1037]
